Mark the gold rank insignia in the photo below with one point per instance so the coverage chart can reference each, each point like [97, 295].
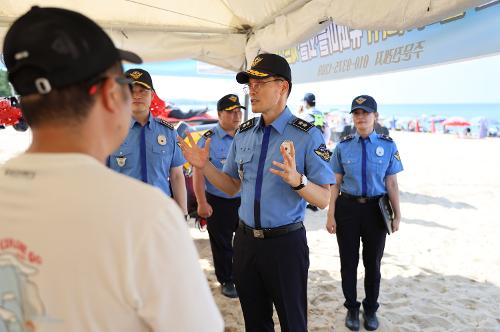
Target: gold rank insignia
[360, 100]
[247, 125]
[396, 155]
[135, 74]
[233, 99]
[165, 123]
[323, 152]
[302, 124]
[256, 61]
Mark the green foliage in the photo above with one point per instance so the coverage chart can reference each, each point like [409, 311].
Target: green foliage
[5, 89]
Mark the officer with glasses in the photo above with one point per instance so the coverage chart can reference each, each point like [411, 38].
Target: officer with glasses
[150, 153]
[220, 209]
[278, 162]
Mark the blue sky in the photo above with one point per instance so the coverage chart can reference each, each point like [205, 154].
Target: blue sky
[470, 81]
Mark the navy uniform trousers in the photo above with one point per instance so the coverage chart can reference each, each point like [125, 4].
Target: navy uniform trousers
[221, 226]
[354, 221]
[272, 270]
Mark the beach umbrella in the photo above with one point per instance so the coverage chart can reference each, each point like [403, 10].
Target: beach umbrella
[456, 121]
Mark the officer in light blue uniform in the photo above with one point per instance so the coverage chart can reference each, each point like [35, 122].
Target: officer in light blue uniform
[365, 164]
[220, 209]
[150, 152]
[271, 258]
[262, 190]
[277, 161]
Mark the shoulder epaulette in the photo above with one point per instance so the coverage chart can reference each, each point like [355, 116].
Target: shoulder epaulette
[346, 138]
[387, 138]
[165, 123]
[208, 133]
[247, 125]
[302, 124]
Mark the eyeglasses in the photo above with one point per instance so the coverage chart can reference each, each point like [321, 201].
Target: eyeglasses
[257, 85]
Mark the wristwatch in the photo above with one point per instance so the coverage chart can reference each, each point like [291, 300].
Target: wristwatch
[303, 182]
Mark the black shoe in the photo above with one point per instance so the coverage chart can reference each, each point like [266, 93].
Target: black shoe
[228, 290]
[371, 321]
[352, 319]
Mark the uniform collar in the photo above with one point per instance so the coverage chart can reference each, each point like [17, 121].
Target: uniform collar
[148, 124]
[281, 121]
[220, 132]
[372, 137]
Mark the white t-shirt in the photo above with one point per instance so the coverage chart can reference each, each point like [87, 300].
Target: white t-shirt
[83, 248]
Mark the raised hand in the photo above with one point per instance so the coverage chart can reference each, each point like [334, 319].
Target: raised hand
[288, 168]
[195, 155]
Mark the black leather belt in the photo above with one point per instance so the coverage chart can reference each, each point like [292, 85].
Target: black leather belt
[270, 232]
[360, 199]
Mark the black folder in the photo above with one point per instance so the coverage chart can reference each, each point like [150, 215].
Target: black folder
[387, 213]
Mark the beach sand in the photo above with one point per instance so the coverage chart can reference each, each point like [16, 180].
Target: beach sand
[440, 272]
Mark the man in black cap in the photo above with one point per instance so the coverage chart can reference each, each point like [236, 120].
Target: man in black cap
[220, 209]
[150, 152]
[83, 248]
[279, 162]
[311, 114]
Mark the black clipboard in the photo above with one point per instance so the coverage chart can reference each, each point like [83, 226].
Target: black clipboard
[387, 212]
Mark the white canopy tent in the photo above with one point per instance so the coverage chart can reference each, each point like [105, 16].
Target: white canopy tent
[229, 33]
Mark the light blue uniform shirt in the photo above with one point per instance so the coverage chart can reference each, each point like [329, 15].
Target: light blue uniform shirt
[379, 159]
[160, 155]
[279, 204]
[219, 149]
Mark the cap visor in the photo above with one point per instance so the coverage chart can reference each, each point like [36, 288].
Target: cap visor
[129, 56]
[143, 84]
[243, 76]
[364, 108]
[233, 107]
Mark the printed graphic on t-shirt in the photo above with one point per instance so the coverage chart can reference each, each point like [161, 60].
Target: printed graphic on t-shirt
[20, 302]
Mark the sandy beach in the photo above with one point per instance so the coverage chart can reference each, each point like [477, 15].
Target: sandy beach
[440, 272]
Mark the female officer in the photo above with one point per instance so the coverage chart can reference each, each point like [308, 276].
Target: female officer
[365, 166]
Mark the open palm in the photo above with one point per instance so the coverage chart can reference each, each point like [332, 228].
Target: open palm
[195, 155]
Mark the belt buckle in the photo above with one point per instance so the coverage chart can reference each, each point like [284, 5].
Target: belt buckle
[362, 200]
[258, 233]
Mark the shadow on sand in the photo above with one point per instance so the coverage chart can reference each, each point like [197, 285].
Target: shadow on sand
[407, 197]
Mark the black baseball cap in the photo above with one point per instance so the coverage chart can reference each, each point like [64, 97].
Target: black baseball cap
[265, 65]
[141, 77]
[310, 98]
[228, 103]
[50, 48]
[364, 102]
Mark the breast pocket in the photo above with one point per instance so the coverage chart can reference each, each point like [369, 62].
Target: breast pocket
[122, 159]
[219, 158]
[245, 170]
[351, 164]
[162, 155]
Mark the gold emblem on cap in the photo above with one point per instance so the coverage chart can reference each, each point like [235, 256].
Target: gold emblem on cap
[256, 61]
[360, 100]
[135, 74]
[233, 99]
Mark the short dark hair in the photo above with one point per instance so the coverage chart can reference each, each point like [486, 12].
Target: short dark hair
[70, 104]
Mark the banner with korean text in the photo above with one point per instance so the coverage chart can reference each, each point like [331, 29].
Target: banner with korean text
[340, 52]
